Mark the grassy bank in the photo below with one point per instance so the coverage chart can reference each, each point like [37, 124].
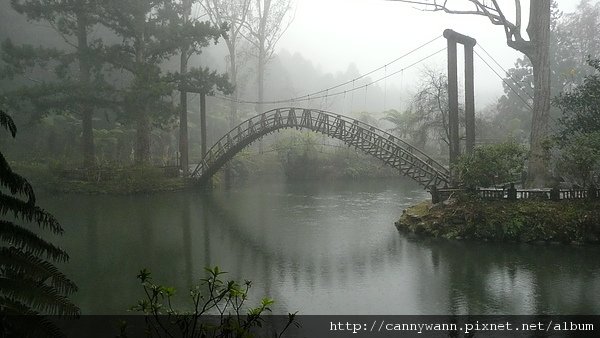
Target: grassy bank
[519, 221]
[107, 181]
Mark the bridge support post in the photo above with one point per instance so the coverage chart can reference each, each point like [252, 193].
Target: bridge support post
[453, 102]
[435, 195]
[453, 39]
[469, 99]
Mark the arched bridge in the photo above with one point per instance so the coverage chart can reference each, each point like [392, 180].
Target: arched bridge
[394, 152]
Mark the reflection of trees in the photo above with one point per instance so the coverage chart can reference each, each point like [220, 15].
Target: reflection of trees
[338, 270]
[473, 269]
[112, 238]
[187, 240]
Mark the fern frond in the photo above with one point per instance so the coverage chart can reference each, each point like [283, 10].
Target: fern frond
[21, 321]
[38, 296]
[7, 122]
[29, 213]
[15, 182]
[28, 241]
[12, 307]
[20, 262]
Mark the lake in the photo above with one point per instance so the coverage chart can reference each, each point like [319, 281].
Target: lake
[316, 248]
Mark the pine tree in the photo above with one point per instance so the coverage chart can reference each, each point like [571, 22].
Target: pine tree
[76, 84]
[196, 35]
[151, 32]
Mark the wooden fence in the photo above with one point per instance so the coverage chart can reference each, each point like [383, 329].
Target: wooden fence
[512, 193]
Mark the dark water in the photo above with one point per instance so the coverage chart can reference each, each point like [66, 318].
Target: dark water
[316, 248]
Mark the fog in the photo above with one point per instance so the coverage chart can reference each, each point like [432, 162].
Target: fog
[345, 37]
[371, 33]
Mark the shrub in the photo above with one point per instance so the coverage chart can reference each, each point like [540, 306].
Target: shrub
[212, 296]
[580, 157]
[492, 165]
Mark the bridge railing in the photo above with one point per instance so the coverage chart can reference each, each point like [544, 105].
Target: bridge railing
[350, 131]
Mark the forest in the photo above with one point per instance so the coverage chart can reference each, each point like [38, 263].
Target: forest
[94, 95]
[112, 110]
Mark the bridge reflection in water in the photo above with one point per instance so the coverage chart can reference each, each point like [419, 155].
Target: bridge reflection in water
[408, 160]
[315, 247]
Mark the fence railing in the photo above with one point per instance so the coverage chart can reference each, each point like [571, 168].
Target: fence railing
[512, 193]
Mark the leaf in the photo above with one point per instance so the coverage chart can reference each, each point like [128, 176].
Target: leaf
[19, 262]
[7, 122]
[27, 241]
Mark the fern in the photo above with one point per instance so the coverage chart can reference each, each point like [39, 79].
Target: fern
[37, 295]
[23, 319]
[29, 283]
[27, 241]
[7, 122]
[37, 268]
[29, 213]
[14, 182]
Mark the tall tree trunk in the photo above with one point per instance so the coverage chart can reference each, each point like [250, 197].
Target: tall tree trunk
[183, 115]
[233, 79]
[142, 137]
[262, 57]
[261, 82]
[87, 132]
[183, 133]
[539, 34]
[233, 107]
[261, 86]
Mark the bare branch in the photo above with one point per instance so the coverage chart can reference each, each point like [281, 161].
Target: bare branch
[518, 15]
[493, 13]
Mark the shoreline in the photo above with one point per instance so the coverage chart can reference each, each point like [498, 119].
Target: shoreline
[530, 221]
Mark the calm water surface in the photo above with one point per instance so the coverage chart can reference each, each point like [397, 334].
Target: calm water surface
[316, 248]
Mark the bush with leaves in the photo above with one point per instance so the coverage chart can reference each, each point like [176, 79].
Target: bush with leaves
[223, 300]
[579, 158]
[29, 283]
[581, 106]
[579, 138]
[492, 165]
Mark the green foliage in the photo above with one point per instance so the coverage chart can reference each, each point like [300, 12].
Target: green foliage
[298, 162]
[303, 157]
[151, 32]
[29, 282]
[580, 157]
[212, 296]
[492, 165]
[521, 221]
[573, 37]
[579, 138]
[69, 79]
[581, 106]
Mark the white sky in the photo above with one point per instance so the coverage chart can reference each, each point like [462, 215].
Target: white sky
[371, 33]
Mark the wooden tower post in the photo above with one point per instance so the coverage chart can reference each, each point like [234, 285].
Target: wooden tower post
[453, 118]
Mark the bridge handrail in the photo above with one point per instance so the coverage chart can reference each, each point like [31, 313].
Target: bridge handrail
[267, 118]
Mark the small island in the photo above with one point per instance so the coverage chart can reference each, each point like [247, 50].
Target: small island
[531, 221]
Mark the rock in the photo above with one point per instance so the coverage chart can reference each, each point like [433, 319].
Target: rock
[450, 201]
[436, 206]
